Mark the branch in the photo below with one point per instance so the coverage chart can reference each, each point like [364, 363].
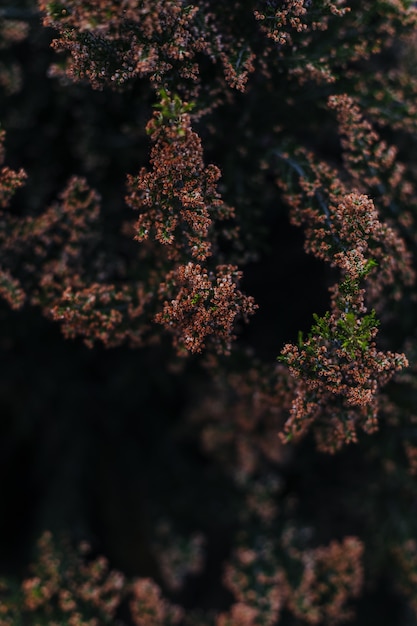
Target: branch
[318, 195]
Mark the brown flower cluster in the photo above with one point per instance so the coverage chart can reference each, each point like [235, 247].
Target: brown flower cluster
[339, 373]
[363, 151]
[11, 32]
[338, 369]
[238, 63]
[390, 96]
[241, 417]
[11, 290]
[240, 614]
[10, 180]
[331, 576]
[51, 250]
[112, 43]
[103, 312]
[199, 306]
[345, 229]
[370, 162]
[405, 555]
[178, 556]
[65, 589]
[179, 205]
[302, 38]
[68, 587]
[316, 585]
[374, 168]
[296, 24]
[149, 608]
[177, 198]
[50, 247]
[203, 306]
[55, 237]
[292, 16]
[253, 569]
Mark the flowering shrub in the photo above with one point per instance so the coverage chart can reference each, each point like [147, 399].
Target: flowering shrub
[64, 589]
[160, 161]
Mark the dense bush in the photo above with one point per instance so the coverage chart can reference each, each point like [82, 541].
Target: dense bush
[208, 231]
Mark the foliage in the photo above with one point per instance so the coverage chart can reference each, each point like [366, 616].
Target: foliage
[159, 160]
